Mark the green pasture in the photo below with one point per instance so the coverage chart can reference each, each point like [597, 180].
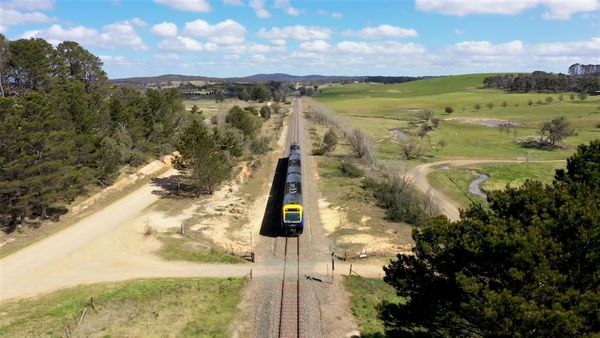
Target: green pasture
[454, 181]
[366, 297]
[152, 307]
[379, 108]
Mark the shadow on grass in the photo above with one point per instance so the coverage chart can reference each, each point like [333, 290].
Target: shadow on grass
[271, 223]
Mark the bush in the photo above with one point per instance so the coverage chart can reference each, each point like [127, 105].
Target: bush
[318, 151]
[260, 145]
[330, 141]
[265, 112]
[397, 195]
[349, 170]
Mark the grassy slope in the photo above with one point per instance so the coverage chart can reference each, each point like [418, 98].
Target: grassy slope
[367, 295]
[379, 108]
[157, 307]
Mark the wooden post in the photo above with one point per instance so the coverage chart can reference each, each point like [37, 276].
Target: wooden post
[332, 262]
[345, 255]
[82, 315]
[350, 273]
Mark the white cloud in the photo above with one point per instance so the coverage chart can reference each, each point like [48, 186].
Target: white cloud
[589, 48]
[458, 31]
[116, 60]
[28, 5]
[381, 48]
[226, 32]
[259, 57]
[186, 44]
[286, 6]
[387, 31]
[253, 48]
[315, 46]
[483, 48]
[556, 9]
[296, 32]
[167, 57]
[3, 28]
[233, 2]
[136, 22]
[334, 15]
[278, 42]
[165, 29]
[119, 34]
[12, 17]
[232, 57]
[259, 8]
[187, 5]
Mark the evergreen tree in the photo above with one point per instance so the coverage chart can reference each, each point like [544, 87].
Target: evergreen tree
[201, 157]
[525, 267]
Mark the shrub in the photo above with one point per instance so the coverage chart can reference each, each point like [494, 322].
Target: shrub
[260, 145]
[396, 194]
[349, 170]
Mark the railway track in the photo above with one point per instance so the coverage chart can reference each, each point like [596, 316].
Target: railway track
[289, 312]
[290, 324]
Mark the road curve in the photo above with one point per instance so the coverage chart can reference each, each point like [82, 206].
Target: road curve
[448, 206]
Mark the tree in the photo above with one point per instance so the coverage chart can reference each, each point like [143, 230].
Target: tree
[330, 141]
[442, 143]
[276, 107]
[265, 112]
[572, 97]
[261, 93]
[555, 130]
[411, 148]
[425, 115]
[448, 110]
[490, 105]
[561, 97]
[504, 104]
[82, 65]
[582, 96]
[201, 158]
[32, 65]
[243, 94]
[549, 99]
[243, 120]
[477, 106]
[529, 102]
[527, 266]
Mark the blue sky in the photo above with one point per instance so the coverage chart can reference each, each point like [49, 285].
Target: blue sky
[334, 37]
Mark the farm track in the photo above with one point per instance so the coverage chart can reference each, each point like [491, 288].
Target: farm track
[447, 205]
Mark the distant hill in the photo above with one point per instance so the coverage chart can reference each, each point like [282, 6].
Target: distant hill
[280, 77]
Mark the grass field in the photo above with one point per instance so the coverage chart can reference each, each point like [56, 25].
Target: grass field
[366, 296]
[467, 132]
[362, 219]
[187, 249]
[454, 181]
[154, 307]
[380, 108]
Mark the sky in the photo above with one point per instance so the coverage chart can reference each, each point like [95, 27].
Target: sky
[227, 38]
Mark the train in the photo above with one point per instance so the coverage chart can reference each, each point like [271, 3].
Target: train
[292, 215]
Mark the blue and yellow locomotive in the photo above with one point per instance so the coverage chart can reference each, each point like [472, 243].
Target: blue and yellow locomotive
[292, 217]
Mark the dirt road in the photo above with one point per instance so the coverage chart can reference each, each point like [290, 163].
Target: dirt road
[446, 205]
[105, 246]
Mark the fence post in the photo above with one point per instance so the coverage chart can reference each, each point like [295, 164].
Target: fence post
[350, 273]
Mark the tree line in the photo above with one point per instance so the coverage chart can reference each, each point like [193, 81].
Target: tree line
[579, 69]
[261, 92]
[64, 128]
[544, 82]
